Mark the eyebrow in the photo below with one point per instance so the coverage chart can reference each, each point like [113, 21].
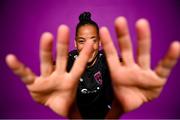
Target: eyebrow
[84, 38]
[93, 37]
[80, 38]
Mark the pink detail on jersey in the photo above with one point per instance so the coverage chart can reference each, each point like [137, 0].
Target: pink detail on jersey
[98, 77]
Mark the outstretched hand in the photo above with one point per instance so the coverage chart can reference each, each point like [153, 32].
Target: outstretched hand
[55, 87]
[135, 83]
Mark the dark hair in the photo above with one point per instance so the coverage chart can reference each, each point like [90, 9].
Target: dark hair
[84, 19]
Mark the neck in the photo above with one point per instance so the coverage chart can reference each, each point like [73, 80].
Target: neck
[92, 62]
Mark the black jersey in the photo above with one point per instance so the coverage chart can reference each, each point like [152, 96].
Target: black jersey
[94, 93]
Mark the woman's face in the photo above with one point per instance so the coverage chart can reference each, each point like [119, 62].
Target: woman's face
[84, 33]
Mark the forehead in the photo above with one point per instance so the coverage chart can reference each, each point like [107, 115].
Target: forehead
[87, 31]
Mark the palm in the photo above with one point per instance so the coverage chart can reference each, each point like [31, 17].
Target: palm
[55, 87]
[135, 82]
[133, 86]
[57, 95]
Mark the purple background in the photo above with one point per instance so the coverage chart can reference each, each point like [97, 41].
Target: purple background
[22, 22]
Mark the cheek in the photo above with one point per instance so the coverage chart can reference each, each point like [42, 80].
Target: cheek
[80, 47]
[96, 46]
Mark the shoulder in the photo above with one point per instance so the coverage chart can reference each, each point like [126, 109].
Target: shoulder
[102, 56]
[101, 61]
[73, 54]
[71, 58]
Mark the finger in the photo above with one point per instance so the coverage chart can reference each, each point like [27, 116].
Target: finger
[62, 48]
[46, 57]
[19, 69]
[165, 65]
[81, 61]
[109, 49]
[43, 85]
[144, 43]
[124, 40]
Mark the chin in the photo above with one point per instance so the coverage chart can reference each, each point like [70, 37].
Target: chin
[90, 60]
[92, 57]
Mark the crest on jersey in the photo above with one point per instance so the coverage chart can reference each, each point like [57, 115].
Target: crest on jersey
[98, 77]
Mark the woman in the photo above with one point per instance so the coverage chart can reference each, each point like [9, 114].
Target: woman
[94, 94]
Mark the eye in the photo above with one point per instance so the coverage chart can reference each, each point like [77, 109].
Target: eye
[81, 41]
[94, 40]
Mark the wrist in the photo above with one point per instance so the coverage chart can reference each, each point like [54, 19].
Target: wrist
[116, 110]
[74, 112]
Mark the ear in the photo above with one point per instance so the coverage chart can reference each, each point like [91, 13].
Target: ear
[75, 45]
[99, 43]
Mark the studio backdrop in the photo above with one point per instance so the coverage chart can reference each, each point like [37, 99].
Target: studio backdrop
[23, 21]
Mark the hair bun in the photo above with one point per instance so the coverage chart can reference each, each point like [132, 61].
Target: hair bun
[85, 16]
